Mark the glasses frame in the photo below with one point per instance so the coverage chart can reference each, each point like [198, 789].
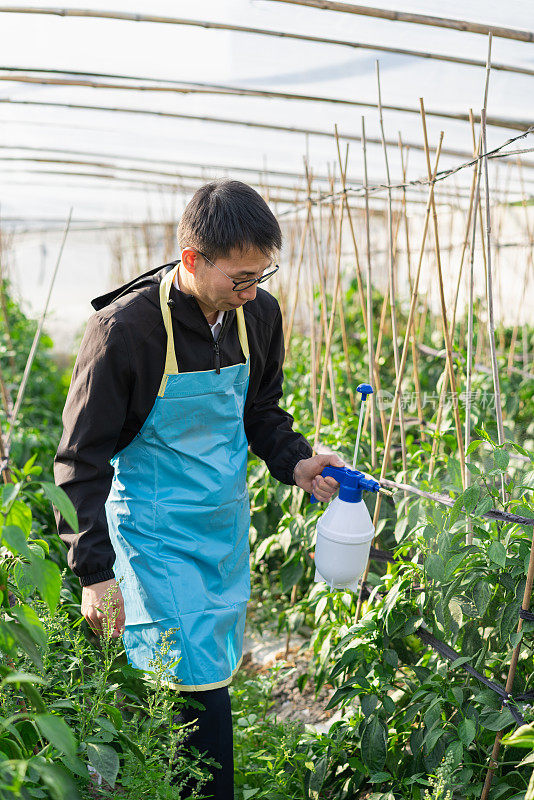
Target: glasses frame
[245, 283]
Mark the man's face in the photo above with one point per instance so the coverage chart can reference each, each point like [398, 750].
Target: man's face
[213, 289]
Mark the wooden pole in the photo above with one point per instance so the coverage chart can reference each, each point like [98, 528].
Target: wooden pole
[224, 121]
[415, 357]
[359, 280]
[329, 335]
[148, 85]
[452, 379]
[129, 17]
[445, 375]
[369, 328]
[392, 287]
[398, 395]
[418, 19]
[35, 343]
[491, 321]
[527, 594]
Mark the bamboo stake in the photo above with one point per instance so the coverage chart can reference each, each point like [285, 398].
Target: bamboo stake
[223, 120]
[376, 365]
[138, 170]
[415, 357]
[452, 379]
[469, 366]
[418, 19]
[398, 395]
[313, 339]
[530, 264]
[369, 327]
[330, 330]
[35, 343]
[445, 375]
[129, 17]
[330, 234]
[491, 321]
[227, 168]
[359, 280]
[527, 594]
[289, 329]
[324, 304]
[148, 85]
[392, 288]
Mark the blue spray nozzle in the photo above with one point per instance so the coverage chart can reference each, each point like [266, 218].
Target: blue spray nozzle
[364, 389]
[352, 483]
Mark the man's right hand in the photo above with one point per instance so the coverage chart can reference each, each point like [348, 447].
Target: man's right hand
[94, 605]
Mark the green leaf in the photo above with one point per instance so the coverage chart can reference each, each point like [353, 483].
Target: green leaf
[63, 504]
[497, 720]
[474, 445]
[317, 777]
[485, 505]
[26, 643]
[131, 745]
[501, 458]
[374, 745]
[435, 568]
[105, 760]
[47, 578]
[482, 595]
[22, 677]
[497, 553]
[368, 703]
[291, 572]
[467, 731]
[58, 782]
[31, 622]
[472, 641]
[14, 539]
[57, 732]
[471, 497]
[20, 515]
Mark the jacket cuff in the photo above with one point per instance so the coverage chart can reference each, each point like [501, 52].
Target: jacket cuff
[96, 577]
[304, 451]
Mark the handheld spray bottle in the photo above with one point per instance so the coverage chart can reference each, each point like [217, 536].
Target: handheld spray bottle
[345, 530]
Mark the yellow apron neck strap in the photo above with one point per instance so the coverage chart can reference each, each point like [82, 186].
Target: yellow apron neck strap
[171, 365]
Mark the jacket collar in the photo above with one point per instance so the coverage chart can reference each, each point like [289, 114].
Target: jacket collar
[184, 307]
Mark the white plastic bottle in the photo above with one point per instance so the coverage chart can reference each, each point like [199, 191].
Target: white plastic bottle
[345, 531]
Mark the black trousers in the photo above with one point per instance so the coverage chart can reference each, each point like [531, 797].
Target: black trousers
[214, 736]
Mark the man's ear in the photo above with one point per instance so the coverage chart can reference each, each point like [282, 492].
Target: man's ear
[189, 257]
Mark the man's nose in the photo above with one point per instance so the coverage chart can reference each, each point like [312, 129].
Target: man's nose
[248, 294]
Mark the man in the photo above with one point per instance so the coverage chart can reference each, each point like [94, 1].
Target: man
[178, 373]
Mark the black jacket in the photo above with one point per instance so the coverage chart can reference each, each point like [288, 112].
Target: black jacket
[115, 382]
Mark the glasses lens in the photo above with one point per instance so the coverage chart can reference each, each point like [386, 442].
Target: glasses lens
[268, 275]
[244, 285]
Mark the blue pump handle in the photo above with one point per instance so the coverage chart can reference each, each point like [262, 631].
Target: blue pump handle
[364, 389]
[332, 472]
[355, 482]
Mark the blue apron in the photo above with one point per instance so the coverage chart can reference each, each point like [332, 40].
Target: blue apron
[178, 515]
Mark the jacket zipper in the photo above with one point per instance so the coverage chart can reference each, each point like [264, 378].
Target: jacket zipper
[216, 345]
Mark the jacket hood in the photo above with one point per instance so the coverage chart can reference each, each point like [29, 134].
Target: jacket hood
[141, 281]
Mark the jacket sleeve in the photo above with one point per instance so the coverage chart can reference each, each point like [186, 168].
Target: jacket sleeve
[93, 418]
[269, 429]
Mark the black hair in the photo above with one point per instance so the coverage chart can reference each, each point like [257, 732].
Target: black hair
[227, 214]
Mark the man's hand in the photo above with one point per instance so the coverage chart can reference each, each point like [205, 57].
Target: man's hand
[308, 475]
[96, 599]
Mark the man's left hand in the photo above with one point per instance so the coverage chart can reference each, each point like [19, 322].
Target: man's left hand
[308, 475]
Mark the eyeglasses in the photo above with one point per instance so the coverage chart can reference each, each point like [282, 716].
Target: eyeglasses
[247, 282]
